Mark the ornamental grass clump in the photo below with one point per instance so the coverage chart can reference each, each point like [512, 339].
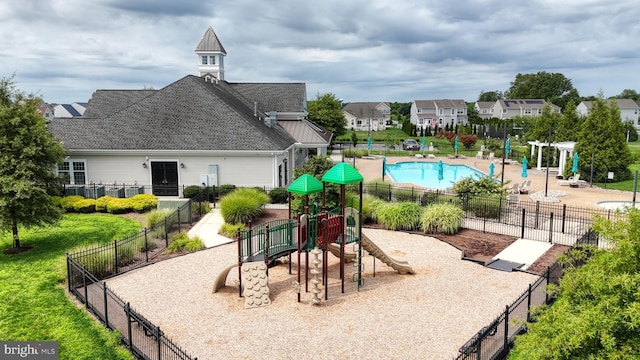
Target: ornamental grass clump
[442, 218]
[231, 230]
[400, 216]
[182, 242]
[242, 205]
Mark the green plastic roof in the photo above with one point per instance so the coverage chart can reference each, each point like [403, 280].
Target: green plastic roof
[305, 184]
[342, 174]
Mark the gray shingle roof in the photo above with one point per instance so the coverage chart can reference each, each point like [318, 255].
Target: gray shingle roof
[281, 97]
[210, 42]
[363, 110]
[190, 114]
[104, 103]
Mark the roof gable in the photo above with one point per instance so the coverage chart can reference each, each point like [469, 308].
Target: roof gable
[210, 42]
[189, 114]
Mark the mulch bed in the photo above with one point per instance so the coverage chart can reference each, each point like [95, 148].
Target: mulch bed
[477, 245]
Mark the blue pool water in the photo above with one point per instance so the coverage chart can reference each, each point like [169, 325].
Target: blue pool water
[425, 174]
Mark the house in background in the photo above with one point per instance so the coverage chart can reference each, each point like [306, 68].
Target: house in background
[367, 116]
[484, 109]
[438, 113]
[199, 130]
[508, 109]
[628, 110]
[72, 110]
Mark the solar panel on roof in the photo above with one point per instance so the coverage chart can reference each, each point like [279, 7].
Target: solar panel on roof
[71, 110]
[533, 101]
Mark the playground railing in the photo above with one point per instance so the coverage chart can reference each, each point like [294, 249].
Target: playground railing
[268, 239]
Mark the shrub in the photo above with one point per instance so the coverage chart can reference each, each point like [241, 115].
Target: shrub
[370, 206]
[225, 189]
[85, 206]
[231, 230]
[154, 217]
[67, 203]
[242, 205]
[401, 195]
[118, 206]
[182, 242]
[198, 207]
[488, 206]
[143, 202]
[279, 195]
[101, 203]
[400, 216]
[442, 218]
[56, 201]
[191, 191]
[98, 263]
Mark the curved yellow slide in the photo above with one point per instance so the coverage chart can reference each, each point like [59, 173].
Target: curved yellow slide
[402, 267]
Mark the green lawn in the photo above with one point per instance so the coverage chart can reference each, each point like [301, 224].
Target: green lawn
[33, 302]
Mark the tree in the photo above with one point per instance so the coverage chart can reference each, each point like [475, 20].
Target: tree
[630, 130]
[468, 141]
[491, 96]
[400, 109]
[317, 166]
[326, 111]
[597, 311]
[627, 94]
[567, 124]
[553, 87]
[602, 136]
[28, 155]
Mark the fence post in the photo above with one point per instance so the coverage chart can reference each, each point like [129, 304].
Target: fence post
[166, 232]
[484, 219]
[551, 227]
[524, 219]
[529, 304]
[146, 245]
[158, 335]
[190, 212]
[115, 255]
[389, 193]
[84, 283]
[537, 214]
[127, 311]
[179, 219]
[106, 308]
[546, 293]
[68, 274]
[506, 328]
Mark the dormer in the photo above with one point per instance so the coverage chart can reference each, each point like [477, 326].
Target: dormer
[211, 55]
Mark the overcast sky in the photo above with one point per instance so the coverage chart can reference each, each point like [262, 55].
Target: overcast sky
[375, 50]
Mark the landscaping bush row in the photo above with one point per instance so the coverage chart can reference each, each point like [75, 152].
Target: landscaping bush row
[107, 204]
[242, 205]
[277, 195]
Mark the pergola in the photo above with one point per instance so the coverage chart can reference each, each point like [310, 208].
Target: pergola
[564, 148]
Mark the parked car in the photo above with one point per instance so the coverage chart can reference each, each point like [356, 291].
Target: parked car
[410, 144]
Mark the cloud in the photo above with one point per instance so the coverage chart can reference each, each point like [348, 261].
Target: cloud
[377, 50]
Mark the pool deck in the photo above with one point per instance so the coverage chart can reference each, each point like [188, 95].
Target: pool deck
[585, 196]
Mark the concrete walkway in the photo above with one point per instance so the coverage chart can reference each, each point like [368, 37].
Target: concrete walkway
[207, 229]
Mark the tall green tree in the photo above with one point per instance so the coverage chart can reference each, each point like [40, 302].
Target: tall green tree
[553, 87]
[597, 311]
[326, 111]
[627, 94]
[567, 124]
[602, 136]
[490, 95]
[538, 128]
[28, 155]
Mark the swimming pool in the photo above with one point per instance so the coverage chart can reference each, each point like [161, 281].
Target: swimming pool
[425, 174]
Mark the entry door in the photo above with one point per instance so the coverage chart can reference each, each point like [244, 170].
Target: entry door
[164, 178]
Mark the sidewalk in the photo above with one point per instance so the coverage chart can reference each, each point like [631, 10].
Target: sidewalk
[207, 229]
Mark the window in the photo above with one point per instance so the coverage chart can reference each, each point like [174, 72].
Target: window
[212, 60]
[527, 111]
[73, 172]
[453, 111]
[504, 111]
[204, 60]
[441, 112]
[420, 121]
[221, 63]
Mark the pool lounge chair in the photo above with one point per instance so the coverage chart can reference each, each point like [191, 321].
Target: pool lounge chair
[524, 188]
[573, 181]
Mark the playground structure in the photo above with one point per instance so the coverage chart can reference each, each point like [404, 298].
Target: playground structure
[321, 230]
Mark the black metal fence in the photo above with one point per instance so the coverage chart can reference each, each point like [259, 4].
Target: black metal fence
[549, 222]
[494, 340]
[86, 269]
